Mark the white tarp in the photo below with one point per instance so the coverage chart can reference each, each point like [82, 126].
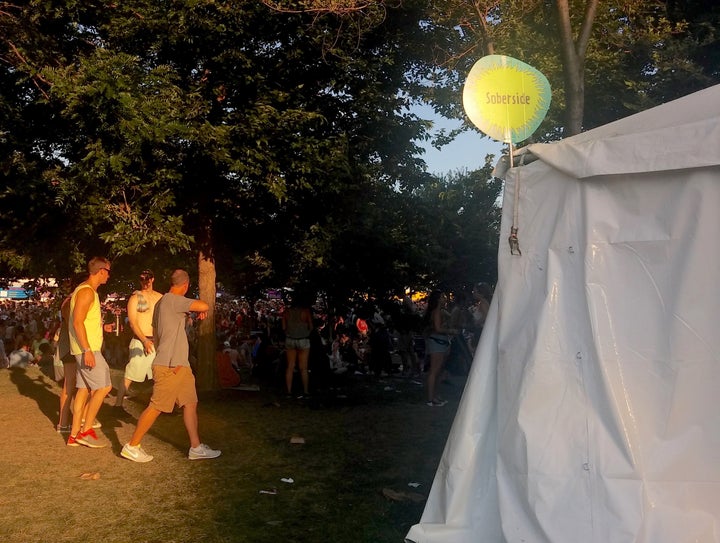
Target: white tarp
[592, 410]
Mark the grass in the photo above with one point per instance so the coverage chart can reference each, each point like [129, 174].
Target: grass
[379, 436]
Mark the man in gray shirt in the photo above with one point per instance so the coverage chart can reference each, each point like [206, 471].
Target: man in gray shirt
[174, 382]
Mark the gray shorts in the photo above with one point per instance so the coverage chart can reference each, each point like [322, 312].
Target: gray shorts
[93, 378]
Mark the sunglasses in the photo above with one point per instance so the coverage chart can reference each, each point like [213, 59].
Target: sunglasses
[107, 270]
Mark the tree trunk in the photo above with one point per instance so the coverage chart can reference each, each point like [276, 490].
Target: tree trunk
[207, 375]
[573, 55]
[574, 99]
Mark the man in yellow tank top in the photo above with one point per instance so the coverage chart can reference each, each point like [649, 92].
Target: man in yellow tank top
[86, 338]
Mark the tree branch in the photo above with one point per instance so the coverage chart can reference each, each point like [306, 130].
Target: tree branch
[586, 29]
[567, 44]
[36, 76]
[338, 7]
[482, 15]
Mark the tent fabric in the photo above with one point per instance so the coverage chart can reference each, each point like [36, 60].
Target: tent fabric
[590, 411]
[695, 145]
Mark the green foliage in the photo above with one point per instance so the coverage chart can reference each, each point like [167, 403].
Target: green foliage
[456, 225]
[129, 124]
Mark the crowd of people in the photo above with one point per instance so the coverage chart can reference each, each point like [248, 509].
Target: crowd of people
[292, 342]
[304, 347]
[26, 333]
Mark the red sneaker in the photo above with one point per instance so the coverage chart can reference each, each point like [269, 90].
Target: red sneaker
[89, 439]
[72, 441]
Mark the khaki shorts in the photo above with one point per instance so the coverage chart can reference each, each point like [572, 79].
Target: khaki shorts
[172, 386]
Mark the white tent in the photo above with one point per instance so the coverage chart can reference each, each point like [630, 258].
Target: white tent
[592, 411]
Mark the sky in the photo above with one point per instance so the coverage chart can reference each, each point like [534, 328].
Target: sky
[466, 152]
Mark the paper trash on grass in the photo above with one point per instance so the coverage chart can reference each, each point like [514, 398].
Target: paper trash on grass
[288, 480]
[271, 491]
[297, 440]
[402, 496]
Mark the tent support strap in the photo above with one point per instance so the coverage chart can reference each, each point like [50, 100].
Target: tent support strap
[513, 239]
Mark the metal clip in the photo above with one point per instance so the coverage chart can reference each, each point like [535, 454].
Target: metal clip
[514, 242]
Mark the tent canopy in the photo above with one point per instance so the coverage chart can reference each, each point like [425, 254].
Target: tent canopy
[589, 414]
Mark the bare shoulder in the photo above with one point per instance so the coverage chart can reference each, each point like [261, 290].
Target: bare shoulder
[84, 299]
[85, 294]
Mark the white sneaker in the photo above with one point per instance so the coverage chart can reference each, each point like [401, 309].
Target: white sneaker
[136, 454]
[202, 452]
[96, 424]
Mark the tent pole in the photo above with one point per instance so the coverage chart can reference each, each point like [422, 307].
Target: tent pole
[513, 239]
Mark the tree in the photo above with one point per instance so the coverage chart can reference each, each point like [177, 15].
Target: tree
[176, 122]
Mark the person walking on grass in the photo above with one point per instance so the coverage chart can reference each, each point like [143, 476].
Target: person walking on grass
[69, 364]
[140, 309]
[86, 338]
[174, 382]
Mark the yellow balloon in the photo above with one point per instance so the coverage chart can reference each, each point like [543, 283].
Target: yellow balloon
[506, 98]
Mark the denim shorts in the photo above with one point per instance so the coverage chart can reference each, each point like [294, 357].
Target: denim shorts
[437, 343]
[299, 344]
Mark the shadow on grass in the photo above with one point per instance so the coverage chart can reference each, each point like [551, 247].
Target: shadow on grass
[44, 391]
[39, 390]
